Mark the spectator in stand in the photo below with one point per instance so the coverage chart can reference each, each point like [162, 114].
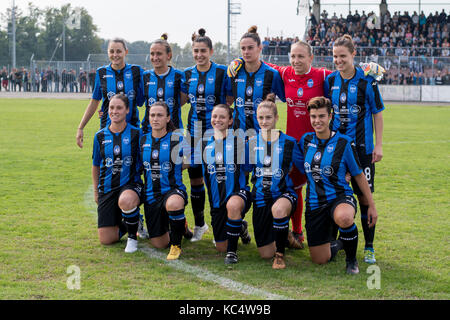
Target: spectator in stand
[64, 80]
[57, 79]
[92, 79]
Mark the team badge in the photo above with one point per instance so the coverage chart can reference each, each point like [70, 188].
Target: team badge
[249, 91]
[155, 154]
[300, 92]
[219, 157]
[116, 150]
[343, 97]
[119, 85]
[310, 83]
[201, 88]
[160, 92]
[267, 160]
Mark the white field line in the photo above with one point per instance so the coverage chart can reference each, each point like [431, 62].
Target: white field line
[198, 272]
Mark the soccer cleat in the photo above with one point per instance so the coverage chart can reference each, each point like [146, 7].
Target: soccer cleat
[299, 236]
[245, 236]
[187, 233]
[231, 258]
[278, 261]
[198, 232]
[352, 267]
[142, 233]
[369, 255]
[174, 252]
[132, 246]
[293, 242]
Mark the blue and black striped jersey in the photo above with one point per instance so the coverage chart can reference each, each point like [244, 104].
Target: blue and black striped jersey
[162, 172]
[205, 90]
[326, 163]
[249, 90]
[117, 155]
[354, 102]
[165, 88]
[109, 82]
[222, 168]
[270, 163]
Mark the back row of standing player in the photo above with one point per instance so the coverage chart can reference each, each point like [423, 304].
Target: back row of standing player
[355, 99]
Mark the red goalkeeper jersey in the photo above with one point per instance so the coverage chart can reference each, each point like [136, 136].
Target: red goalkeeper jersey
[299, 89]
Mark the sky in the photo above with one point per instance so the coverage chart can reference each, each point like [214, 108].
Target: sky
[146, 20]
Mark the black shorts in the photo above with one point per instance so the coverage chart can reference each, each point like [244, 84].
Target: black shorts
[263, 220]
[219, 216]
[368, 170]
[320, 222]
[156, 216]
[109, 213]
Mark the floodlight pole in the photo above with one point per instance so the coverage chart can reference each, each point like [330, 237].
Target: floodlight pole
[232, 8]
[13, 22]
[64, 38]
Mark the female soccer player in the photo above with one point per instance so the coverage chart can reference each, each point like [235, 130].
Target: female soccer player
[358, 108]
[251, 85]
[327, 157]
[116, 176]
[163, 83]
[228, 192]
[271, 156]
[164, 192]
[117, 77]
[206, 87]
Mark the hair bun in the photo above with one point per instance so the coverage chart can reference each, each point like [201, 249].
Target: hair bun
[164, 36]
[201, 32]
[271, 97]
[253, 29]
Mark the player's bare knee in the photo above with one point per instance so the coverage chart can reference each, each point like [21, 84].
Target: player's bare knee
[174, 203]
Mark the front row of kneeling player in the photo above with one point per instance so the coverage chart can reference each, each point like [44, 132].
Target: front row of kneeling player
[121, 153]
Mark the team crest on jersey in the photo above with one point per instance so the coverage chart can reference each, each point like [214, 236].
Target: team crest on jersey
[119, 85]
[300, 92]
[343, 97]
[160, 92]
[249, 91]
[108, 162]
[310, 83]
[116, 150]
[201, 88]
[267, 160]
[317, 156]
[155, 154]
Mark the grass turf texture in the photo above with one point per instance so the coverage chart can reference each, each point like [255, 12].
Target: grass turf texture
[48, 220]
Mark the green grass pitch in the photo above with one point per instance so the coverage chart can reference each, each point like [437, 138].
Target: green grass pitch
[48, 222]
